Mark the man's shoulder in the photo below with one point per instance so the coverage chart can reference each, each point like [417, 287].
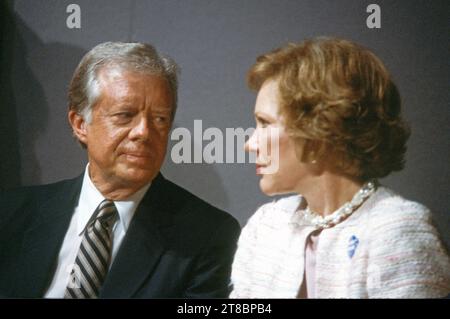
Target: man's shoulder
[23, 192]
[196, 220]
[180, 198]
[21, 199]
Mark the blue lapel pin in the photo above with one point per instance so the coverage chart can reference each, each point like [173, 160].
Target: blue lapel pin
[352, 245]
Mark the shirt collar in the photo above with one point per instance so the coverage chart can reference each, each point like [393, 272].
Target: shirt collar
[90, 198]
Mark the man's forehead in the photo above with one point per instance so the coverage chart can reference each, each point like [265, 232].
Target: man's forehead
[117, 73]
[124, 86]
[124, 82]
[110, 74]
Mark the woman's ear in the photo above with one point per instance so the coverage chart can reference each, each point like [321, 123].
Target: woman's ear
[314, 152]
[78, 126]
[307, 150]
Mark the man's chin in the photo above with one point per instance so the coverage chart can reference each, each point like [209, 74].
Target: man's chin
[138, 161]
[138, 175]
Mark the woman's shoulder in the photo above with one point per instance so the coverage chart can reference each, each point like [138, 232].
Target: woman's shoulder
[388, 204]
[283, 205]
[406, 251]
[278, 210]
[393, 216]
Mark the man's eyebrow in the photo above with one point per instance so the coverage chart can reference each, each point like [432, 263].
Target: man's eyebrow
[162, 109]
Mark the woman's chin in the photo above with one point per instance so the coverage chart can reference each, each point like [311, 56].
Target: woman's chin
[268, 188]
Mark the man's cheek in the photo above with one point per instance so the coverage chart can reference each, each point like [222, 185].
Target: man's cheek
[118, 134]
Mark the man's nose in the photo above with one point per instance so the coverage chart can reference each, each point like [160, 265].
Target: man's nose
[252, 143]
[141, 130]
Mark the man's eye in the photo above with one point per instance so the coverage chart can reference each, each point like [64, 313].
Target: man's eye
[161, 119]
[123, 115]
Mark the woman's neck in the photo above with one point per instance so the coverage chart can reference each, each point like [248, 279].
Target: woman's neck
[330, 192]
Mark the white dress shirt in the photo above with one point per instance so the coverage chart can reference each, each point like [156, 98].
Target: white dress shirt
[88, 201]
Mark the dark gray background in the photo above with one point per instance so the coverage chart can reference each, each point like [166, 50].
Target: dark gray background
[215, 42]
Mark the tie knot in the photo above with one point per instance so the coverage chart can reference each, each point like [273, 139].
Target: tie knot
[106, 213]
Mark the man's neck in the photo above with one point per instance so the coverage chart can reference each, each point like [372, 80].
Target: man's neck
[114, 189]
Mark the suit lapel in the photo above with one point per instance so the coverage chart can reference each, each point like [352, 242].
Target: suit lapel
[142, 246]
[43, 239]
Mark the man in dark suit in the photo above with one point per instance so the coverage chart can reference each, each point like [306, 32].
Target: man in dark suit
[120, 230]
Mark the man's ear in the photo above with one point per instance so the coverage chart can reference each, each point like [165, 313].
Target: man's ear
[78, 126]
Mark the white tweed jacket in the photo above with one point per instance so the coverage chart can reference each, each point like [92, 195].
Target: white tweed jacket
[388, 248]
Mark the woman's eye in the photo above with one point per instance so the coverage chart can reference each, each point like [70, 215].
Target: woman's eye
[262, 123]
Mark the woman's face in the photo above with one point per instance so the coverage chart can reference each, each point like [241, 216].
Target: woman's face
[276, 157]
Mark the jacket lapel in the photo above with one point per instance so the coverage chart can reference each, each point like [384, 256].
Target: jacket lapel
[43, 239]
[142, 246]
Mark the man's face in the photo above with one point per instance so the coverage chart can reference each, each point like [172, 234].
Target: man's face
[127, 137]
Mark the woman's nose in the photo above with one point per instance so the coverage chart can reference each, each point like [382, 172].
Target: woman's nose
[252, 143]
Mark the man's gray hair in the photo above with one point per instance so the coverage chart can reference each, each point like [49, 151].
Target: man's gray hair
[84, 88]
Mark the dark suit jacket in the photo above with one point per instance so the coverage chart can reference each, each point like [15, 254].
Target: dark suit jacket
[177, 246]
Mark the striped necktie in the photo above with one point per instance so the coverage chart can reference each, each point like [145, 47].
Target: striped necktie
[93, 258]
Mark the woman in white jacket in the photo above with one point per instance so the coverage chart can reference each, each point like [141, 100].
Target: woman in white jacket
[328, 126]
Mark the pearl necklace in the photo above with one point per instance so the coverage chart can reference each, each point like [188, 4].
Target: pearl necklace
[344, 211]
